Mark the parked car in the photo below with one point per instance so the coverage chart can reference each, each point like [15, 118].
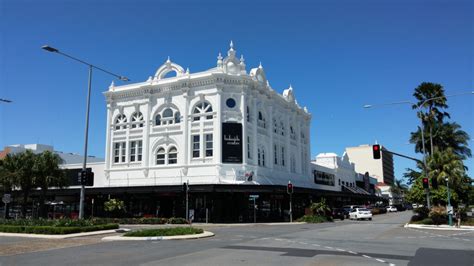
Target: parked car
[400, 207]
[360, 213]
[391, 209]
[338, 213]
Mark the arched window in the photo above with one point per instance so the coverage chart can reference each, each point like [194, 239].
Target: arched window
[202, 109]
[282, 127]
[173, 155]
[168, 116]
[158, 120]
[261, 120]
[292, 133]
[160, 156]
[137, 120]
[170, 157]
[275, 126]
[120, 122]
[177, 117]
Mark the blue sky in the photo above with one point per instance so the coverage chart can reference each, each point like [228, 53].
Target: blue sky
[338, 56]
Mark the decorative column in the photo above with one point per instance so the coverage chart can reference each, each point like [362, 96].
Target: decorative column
[186, 134]
[146, 136]
[255, 128]
[108, 138]
[217, 137]
[270, 152]
[243, 111]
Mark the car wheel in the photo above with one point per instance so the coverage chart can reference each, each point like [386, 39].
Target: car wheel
[342, 218]
[370, 219]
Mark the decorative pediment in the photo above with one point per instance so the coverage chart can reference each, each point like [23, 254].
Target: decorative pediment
[231, 64]
[168, 67]
[258, 74]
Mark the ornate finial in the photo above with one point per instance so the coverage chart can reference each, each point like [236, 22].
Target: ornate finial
[112, 85]
[187, 70]
[291, 88]
[168, 60]
[305, 109]
[242, 58]
[231, 52]
[150, 79]
[260, 66]
[219, 60]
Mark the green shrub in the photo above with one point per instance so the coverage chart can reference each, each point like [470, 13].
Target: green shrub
[133, 220]
[314, 219]
[416, 218]
[422, 212]
[56, 222]
[174, 231]
[177, 220]
[426, 221]
[54, 230]
[438, 215]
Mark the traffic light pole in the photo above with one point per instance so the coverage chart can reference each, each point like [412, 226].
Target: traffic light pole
[187, 202]
[291, 209]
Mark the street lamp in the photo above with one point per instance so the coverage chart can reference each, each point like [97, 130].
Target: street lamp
[90, 66]
[450, 212]
[418, 108]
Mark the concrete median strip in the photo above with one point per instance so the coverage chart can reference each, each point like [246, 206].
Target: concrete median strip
[440, 227]
[158, 238]
[103, 232]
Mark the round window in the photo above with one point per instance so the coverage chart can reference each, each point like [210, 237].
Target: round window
[230, 103]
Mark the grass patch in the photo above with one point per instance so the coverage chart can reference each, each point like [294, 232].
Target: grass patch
[173, 231]
[314, 219]
[54, 230]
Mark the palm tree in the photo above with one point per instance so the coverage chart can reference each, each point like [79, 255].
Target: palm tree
[445, 135]
[446, 164]
[48, 174]
[434, 114]
[320, 208]
[18, 172]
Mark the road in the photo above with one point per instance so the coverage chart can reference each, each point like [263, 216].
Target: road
[382, 241]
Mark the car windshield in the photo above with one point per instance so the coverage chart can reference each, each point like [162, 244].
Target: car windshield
[363, 210]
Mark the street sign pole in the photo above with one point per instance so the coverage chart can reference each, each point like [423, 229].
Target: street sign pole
[254, 210]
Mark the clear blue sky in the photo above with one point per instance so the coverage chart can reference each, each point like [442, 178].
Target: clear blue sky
[338, 55]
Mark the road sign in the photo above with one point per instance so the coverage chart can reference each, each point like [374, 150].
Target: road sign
[7, 198]
[191, 214]
[450, 210]
[254, 196]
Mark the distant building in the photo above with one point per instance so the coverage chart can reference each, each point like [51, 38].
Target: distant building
[382, 169]
[68, 158]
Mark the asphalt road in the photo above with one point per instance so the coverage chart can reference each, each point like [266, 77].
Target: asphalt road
[382, 241]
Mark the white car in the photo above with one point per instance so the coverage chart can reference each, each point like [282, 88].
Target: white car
[391, 209]
[360, 213]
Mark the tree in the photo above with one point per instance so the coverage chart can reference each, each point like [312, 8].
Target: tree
[48, 174]
[430, 96]
[398, 188]
[445, 135]
[19, 173]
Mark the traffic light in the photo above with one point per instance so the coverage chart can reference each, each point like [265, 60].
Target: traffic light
[185, 187]
[426, 184]
[376, 151]
[289, 188]
[434, 183]
[86, 178]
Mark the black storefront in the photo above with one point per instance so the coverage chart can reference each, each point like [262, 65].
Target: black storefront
[211, 203]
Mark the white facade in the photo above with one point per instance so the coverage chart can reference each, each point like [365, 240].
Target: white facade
[168, 130]
[343, 170]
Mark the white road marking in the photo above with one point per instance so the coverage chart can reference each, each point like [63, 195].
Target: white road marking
[380, 260]
[391, 264]
[340, 249]
[316, 245]
[365, 256]
[328, 247]
[303, 243]
[352, 252]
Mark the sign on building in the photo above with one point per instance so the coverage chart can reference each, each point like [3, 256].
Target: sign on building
[231, 143]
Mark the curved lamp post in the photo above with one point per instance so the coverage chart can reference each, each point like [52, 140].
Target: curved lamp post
[90, 66]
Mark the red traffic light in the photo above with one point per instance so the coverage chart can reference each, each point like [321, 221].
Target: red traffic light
[289, 188]
[426, 183]
[376, 151]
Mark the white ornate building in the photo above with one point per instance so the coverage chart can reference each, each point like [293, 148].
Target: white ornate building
[219, 126]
